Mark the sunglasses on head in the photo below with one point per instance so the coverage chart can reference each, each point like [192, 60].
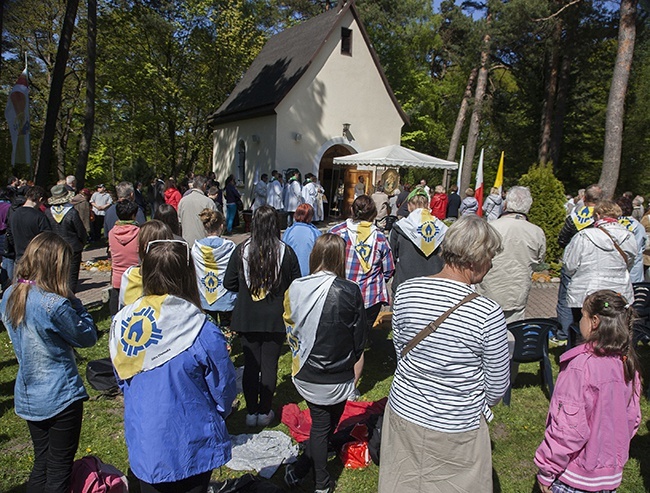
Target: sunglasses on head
[187, 247]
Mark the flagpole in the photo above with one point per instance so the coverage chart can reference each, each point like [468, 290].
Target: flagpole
[460, 167]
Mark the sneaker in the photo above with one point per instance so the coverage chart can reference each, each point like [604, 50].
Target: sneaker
[557, 342]
[265, 419]
[329, 489]
[355, 395]
[291, 479]
[252, 420]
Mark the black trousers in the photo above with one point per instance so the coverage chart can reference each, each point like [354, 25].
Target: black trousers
[261, 355]
[113, 301]
[96, 227]
[324, 420]
[55, 444]
[193, 484]
[75, 265]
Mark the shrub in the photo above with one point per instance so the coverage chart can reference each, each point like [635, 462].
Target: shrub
[548, 210]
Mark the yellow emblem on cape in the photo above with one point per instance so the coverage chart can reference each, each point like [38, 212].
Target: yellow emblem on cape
[428, 231]
[583, 217]
[624, 221]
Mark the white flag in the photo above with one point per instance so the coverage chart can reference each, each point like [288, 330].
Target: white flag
[17, 116]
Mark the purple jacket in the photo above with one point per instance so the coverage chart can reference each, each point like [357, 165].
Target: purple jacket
[592, 418]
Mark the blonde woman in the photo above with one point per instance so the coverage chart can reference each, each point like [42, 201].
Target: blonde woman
[45, 321]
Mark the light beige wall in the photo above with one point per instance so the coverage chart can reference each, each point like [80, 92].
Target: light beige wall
[260, 155]
[336, 89]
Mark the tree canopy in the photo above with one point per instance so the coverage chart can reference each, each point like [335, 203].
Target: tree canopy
[163, 66]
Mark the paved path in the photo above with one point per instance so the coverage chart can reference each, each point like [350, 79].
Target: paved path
[541, 302]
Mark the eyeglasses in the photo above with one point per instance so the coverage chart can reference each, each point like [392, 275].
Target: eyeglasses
[187, 247]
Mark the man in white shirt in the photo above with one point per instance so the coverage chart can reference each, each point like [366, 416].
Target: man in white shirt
[100, 201]
[260, 192]
[293, 196]
[274, 192]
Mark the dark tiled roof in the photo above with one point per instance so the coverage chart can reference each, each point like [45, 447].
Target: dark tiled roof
[283, 60]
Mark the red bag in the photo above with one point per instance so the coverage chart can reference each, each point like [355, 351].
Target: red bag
[355, 455]
[91, 475]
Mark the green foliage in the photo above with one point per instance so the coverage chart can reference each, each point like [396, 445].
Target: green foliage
[547, 210]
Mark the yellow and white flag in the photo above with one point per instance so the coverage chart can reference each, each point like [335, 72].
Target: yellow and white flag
[151, 331]
[498, 181]
[425, 230]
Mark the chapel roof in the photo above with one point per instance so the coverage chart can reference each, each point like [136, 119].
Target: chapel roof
[283, 60]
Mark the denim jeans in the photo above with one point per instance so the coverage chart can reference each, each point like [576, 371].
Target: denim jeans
[55, 444]
[231, 212]
[564, 315]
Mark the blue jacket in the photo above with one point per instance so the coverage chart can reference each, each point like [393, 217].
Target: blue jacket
[301, 237]
[174, 415]
[48, 380]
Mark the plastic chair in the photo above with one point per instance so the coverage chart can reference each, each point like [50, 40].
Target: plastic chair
[531, 344]
[642, 307]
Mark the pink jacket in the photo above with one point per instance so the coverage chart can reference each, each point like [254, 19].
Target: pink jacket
[592, 418]
[123, 244]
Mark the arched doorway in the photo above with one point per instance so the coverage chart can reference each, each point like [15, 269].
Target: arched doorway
[331, 177]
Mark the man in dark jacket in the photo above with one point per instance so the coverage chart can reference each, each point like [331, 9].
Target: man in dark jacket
[27, 221]
[65, 221]
[454, 203]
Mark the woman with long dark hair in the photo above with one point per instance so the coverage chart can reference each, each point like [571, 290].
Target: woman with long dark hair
[261, 270]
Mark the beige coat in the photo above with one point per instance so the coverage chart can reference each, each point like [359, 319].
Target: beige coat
[524, 246]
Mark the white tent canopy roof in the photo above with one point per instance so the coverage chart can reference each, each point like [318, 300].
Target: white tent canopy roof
[395, 156]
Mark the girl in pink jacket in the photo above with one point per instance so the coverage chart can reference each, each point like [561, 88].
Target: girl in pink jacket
[594, 411]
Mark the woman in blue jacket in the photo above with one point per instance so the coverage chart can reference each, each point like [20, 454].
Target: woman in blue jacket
[176, 376]
[45, 322]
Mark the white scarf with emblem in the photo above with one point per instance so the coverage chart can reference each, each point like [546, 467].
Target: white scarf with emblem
[424, 230]
[303, 306]
[148, 333]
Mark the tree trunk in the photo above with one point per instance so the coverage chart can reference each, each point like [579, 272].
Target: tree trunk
[2, 16]
[475, 121]
[460, 121]
[560, 105]
[54, 100]
[89, 117]
[616, 101]
[550, 95]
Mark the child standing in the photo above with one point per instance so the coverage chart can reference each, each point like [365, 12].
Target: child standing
[594, 412]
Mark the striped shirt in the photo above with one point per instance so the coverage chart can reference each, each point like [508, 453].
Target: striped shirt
[451, 377]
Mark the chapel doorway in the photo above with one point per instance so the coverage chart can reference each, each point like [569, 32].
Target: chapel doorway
[333, 180]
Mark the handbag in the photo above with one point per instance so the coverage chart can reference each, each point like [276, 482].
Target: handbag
[433, 326]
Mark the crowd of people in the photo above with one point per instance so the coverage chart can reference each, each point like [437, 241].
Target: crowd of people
[455, 279]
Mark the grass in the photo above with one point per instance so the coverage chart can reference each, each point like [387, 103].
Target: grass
[516, 430]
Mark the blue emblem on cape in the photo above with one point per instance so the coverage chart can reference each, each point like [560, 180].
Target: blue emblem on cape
[364, 250]
[428, 231]
[211, 282]
[139, 331]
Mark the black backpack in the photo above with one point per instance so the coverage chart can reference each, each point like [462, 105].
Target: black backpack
[101, 375]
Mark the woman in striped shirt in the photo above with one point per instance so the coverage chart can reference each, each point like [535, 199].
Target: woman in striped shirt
[435, 436]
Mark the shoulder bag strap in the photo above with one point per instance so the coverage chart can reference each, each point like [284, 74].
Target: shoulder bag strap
[433, 326]
[620, 250]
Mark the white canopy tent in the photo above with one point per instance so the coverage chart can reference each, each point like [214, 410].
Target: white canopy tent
[395, 156]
